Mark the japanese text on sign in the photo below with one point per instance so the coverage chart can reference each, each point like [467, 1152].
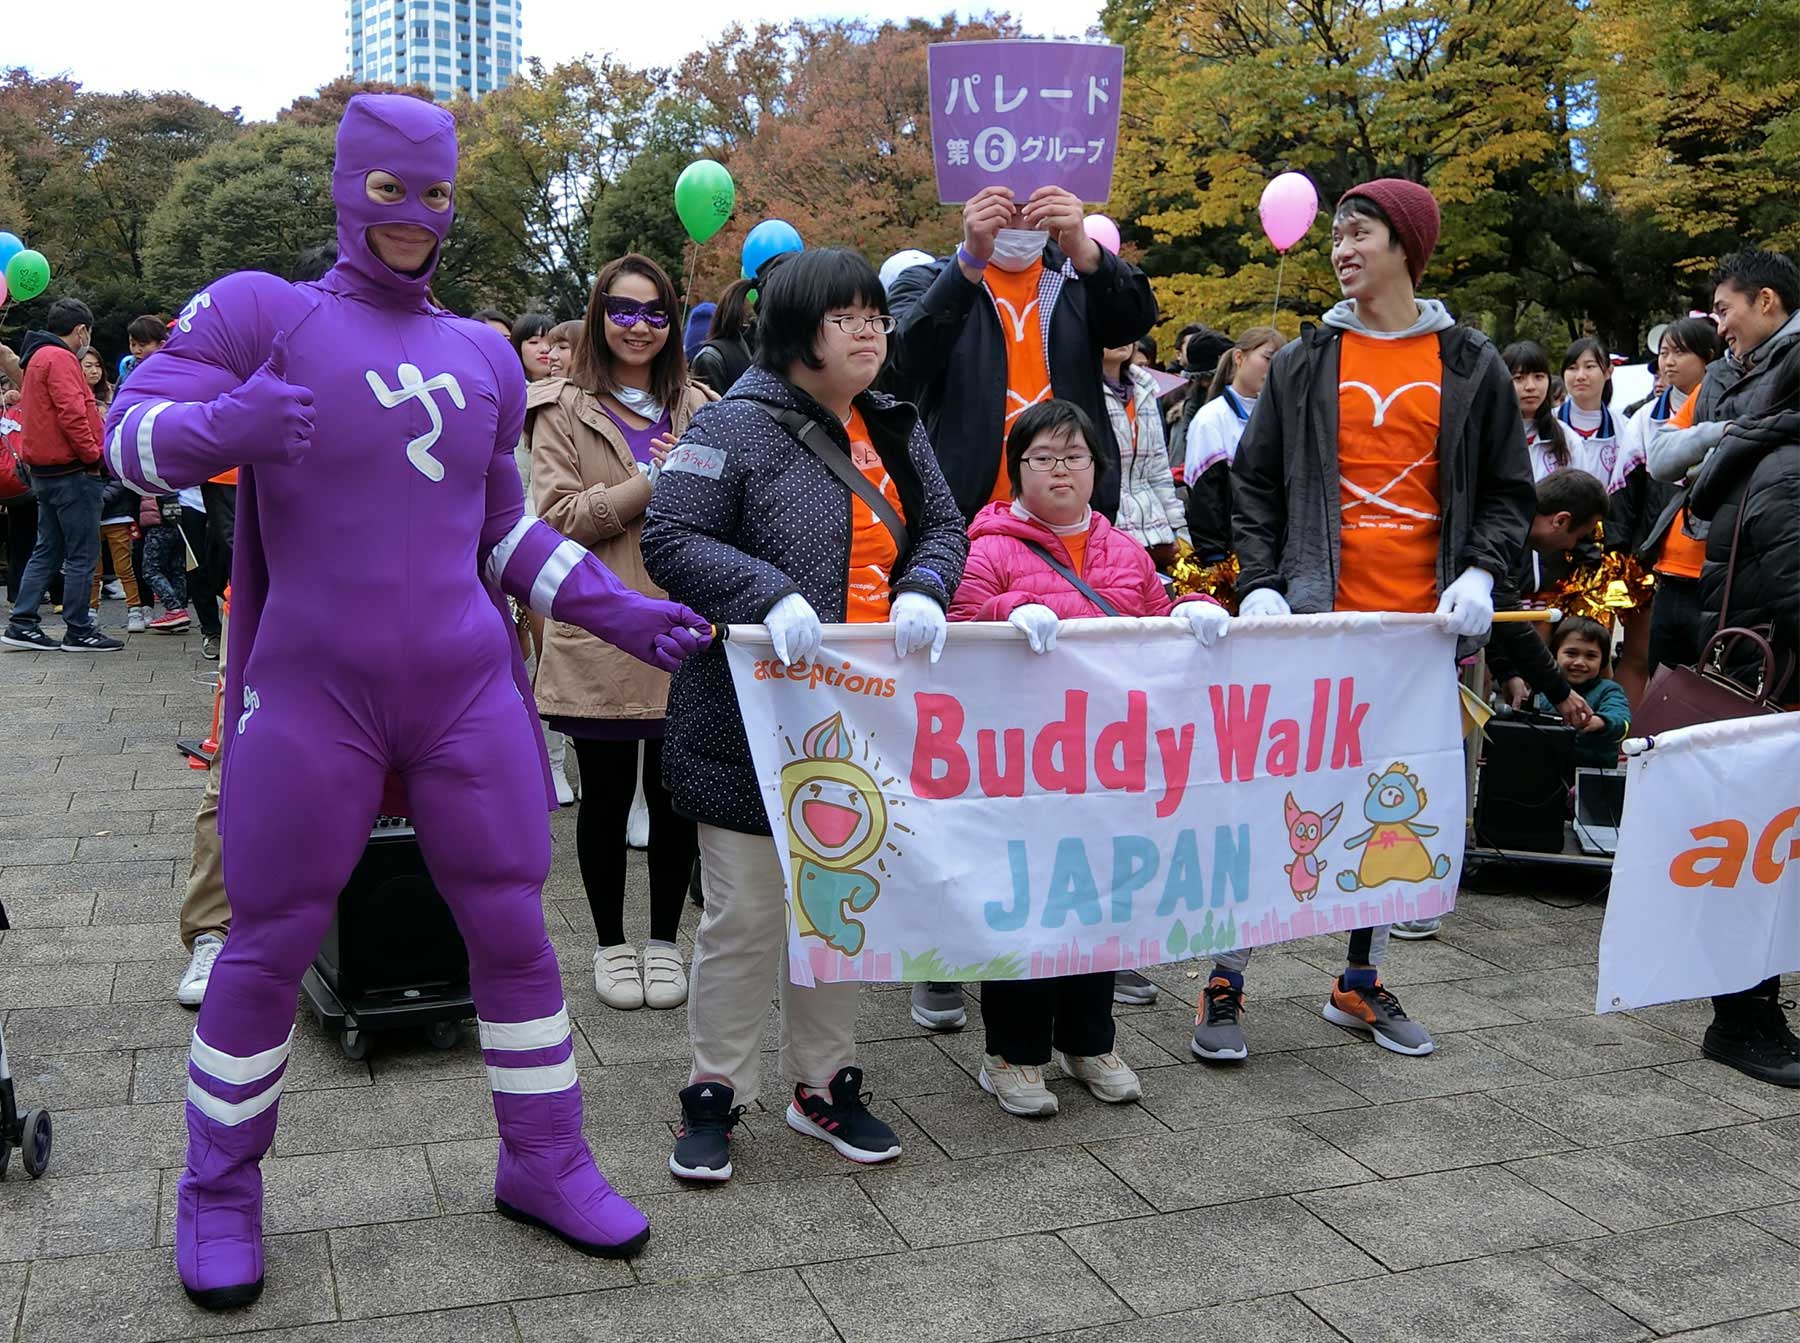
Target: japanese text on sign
[1025, 115]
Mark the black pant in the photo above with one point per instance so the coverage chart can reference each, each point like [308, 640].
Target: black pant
[608, 782]
[202, 595]
[1025, 1018]
[1675, 623]
[21, 536]
[1730, 1008]
[221, 527]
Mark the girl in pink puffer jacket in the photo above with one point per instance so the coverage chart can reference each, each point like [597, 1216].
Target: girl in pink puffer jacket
[1012, 575]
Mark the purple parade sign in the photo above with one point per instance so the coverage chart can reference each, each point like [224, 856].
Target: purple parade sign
[1024, 115]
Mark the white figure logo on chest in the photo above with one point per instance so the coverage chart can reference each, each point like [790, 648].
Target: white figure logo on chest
[414, 384]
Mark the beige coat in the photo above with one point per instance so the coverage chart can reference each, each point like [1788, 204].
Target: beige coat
[585, 483]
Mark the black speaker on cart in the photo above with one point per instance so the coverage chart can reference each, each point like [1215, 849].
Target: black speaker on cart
[1522, 794]
[392, 958]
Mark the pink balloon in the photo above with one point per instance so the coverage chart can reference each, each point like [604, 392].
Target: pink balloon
[1103, 231]
[1289, 205]
[2, 288]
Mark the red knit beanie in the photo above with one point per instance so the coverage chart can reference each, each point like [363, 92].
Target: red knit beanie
[1412, 210]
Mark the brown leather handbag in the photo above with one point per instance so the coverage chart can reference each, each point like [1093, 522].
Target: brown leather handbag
[1708, 692]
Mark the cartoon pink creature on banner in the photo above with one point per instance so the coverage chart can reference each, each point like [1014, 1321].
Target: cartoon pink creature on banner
[1005, 815]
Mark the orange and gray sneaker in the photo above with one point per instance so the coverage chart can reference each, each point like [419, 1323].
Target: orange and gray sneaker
[1218, 1038]
[1377, 1013]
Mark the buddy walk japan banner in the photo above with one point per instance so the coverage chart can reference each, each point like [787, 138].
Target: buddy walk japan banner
[1128, 799]
[1706, 882]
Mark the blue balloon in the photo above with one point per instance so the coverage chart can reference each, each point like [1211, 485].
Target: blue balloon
[10, 247]
[770, 238]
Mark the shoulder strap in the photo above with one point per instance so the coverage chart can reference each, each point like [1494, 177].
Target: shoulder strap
[1073, 579]
[813, 438]
[1737, 530]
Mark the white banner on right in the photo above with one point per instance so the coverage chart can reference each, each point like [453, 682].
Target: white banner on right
[1706, 885]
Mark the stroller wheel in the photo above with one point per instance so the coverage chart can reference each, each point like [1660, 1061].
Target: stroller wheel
[34, 1148]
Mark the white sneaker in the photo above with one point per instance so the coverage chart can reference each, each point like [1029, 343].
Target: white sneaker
[1020, 1091]
[665, 980]
[616, 977]
[112, 590]
[192, 989]
[1103, 1074]
[637, 825]
[135, 620]
[565, 795]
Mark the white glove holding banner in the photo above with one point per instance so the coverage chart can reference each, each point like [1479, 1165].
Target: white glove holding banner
[1264, 602]
[794, 629]
[918, 622]
[1206, 621]
[1038, 624]
[1467, 606]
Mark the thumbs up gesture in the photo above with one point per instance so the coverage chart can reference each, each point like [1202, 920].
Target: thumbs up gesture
[268, 418]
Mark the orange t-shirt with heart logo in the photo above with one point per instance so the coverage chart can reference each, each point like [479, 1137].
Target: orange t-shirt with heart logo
[1390, 398]
[1015, 295]
[872, 548]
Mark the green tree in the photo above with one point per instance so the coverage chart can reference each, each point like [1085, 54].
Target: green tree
[254, 203]
[537, 158]
[1464, 95]
[1696, 123]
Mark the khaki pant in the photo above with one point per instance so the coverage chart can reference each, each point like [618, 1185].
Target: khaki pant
[740, 949]
[204, 909]
[116, 537]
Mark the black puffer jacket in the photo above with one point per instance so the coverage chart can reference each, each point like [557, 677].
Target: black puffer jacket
[1752, 480]
[750, 515]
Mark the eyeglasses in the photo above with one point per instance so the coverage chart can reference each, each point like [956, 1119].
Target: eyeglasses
[1074, 461]
[852, 325]
[628, 312]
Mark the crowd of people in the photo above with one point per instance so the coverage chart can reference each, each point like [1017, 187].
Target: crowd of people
[975, 437]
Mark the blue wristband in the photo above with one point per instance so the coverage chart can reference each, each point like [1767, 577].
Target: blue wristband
[967, 258]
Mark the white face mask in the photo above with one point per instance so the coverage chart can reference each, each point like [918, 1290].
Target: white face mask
[1016, 249]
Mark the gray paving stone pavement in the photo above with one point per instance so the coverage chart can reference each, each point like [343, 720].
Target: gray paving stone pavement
[1547, 1175]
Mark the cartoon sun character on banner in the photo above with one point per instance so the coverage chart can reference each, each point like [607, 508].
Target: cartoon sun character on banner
[837, 824]
[1393, 847]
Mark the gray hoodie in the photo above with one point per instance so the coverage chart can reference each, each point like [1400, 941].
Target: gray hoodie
[1433, 316]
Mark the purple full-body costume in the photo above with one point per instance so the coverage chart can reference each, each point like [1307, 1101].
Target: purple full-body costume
[368, 636]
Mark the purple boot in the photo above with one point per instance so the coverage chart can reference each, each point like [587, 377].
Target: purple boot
[547, 1177]
[232, 1103]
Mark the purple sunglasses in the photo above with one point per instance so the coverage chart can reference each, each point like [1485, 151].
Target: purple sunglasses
[628, 312]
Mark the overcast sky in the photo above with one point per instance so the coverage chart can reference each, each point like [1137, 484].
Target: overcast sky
[261, 56]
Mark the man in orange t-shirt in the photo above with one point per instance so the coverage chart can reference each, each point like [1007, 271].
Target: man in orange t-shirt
[1383, 469]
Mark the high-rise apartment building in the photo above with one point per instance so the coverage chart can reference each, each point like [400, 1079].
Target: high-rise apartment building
[470, 46]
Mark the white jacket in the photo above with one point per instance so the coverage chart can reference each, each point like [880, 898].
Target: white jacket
[1150, 512]
[1213, 434]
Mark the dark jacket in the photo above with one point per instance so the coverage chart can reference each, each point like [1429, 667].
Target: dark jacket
[1754, 475]
[1728, 392]
[720, 363]
[63, 426]
[1285, 504]
[949, 356]
[761, 519]
[1518, 649]
[1209, 513]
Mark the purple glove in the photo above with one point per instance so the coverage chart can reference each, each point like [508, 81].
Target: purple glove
[664, 634]
[269, 420]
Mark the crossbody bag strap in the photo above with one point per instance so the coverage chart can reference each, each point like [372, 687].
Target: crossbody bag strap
[1737, 530]
[1073, 579]
[811, 435]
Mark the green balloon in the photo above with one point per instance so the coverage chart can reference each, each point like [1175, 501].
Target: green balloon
[27, 275]
[705, 196]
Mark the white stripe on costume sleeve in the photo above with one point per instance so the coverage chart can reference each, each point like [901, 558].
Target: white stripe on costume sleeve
[501, 555]
[146, 453]
[550, 578]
